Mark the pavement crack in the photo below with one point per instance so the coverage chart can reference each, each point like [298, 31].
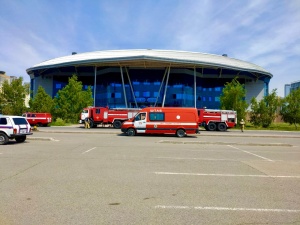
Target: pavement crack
[256, 169]
[22, 171]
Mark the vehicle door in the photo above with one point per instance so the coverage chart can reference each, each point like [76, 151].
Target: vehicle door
[224, 117]
[140, 122]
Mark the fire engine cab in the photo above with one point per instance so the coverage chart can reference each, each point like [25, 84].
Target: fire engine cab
[104, 115]
[163, 120]
[219, 120]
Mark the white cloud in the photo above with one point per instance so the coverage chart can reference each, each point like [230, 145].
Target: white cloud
[265, 32]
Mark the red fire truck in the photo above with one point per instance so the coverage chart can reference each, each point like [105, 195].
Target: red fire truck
[38, 119]
[104, 115]
[219, 120]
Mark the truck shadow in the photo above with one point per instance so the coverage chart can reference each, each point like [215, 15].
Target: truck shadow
[13, 142]
[157, 135]
[98, 127]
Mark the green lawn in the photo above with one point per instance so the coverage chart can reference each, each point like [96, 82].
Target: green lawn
[274, 126]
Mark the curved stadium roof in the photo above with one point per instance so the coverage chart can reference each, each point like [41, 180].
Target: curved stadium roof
[148, 58]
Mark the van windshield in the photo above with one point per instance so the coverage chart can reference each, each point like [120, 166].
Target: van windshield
[140, 116]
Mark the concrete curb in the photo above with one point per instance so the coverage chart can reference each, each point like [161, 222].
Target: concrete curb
[41, 138]
[204, 133]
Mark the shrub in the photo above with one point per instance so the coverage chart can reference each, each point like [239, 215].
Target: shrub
[59, 122]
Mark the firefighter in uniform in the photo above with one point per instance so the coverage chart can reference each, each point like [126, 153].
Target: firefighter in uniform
[242, 124]
[87, 123]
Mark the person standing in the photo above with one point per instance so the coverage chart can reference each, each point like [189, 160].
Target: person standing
[87, 123]
[242, 124]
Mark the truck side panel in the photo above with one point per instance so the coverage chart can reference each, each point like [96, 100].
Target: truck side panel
[164, 121]
[38, 118]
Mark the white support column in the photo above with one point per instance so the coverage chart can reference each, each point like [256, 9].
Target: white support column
[164, 98]
[161, 86]
[131, 87]
[124, 91]
[195, 86]
[95, 84]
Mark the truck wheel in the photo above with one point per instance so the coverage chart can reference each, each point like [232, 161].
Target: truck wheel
[3, 139]
[180, 133]
[117, 124]
[131, 132]
[211, 126]
[20, 139]
[222, 127]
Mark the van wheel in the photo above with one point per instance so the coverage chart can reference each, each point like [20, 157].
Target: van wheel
[222, 127]
[180, 133]
[3, 139]
[131, 132]
[117, 124]
[211, 126]
[20, 139]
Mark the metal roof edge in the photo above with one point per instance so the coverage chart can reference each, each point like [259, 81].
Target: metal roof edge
[144, 56]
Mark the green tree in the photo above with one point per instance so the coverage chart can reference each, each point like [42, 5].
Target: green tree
[13, 97]
[263, 113]
[233, 98]
[42, 102]
[70, 100]
[290, 110]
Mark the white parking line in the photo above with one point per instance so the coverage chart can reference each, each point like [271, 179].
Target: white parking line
[208, 159]
[227, 209]
[88, 150]
[224, 175]
[270, 160]
[203, 159]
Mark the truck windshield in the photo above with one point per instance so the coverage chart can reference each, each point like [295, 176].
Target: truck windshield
[20, 121]
[85, 111]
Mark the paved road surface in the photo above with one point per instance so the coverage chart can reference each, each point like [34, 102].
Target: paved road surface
[71, 175]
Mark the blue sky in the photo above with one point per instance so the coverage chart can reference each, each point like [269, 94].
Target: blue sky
[263, 32]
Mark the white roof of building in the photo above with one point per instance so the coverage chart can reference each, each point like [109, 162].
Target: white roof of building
[146, 57]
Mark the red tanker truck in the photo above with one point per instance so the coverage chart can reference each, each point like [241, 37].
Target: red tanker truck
[105, 115]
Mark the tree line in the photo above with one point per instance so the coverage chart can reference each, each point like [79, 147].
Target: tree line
[262, 113]
[66, 105]
[69, 102]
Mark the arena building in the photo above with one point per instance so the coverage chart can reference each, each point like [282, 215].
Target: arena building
[139, 78]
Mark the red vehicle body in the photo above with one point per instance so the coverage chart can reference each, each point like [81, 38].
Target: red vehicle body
[38, 119]
[104, 115]
[219, 120]
[163, 120]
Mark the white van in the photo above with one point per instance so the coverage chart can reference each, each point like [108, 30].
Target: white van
[163, 120]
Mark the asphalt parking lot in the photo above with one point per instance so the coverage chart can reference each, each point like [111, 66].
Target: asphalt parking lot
[72, 175]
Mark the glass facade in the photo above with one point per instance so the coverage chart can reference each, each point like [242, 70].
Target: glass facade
[142, 87]
[148, 89]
